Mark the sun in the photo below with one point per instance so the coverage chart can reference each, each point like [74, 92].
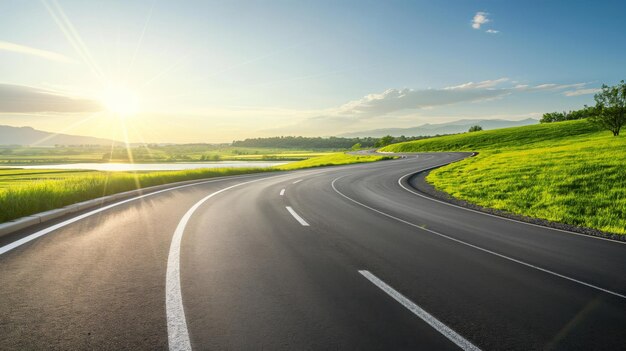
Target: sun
[120, 101]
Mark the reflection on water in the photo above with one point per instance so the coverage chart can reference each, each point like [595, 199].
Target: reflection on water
[152, 166]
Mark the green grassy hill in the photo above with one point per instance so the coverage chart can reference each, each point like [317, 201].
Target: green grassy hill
[569, 172]
[549, 134]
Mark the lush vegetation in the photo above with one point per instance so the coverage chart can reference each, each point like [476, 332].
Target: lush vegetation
[502, 139]
[26, 191]
[305, 142]
[585, 112]
[148, 153]
[20, 155]
[315, 143]
[475, 128]
[333, 159]
[608, 113]
[571, 172]
[387, 140]
[18, 177]
[611, 108]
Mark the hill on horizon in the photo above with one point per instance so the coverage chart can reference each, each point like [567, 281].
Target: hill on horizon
[453, 127]
[29, 136]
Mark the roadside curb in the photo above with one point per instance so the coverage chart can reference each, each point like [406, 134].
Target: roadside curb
[15, 225]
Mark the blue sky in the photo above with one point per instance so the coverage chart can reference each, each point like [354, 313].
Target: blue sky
[204, 71]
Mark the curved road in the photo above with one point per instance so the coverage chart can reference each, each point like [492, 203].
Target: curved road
[332, 258]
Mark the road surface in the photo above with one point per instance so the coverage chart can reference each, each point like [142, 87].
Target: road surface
[331, 258]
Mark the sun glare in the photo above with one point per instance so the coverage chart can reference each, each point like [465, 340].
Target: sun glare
[120, 101]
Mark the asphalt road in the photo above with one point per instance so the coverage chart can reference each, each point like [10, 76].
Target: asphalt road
[332, 258]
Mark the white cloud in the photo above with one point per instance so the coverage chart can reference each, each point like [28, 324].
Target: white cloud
[492, 31]
[484, 84]
[579, 92]
[49, 55]
[552, 86]
[394, 100]
[392, 105]
[25, 99]
[479, 19]
[544, 86]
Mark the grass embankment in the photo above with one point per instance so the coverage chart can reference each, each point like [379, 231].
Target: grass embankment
[568, 172]
[26, 191]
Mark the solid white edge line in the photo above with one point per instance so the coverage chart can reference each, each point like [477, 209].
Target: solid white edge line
[282, 192]
[177, 332]
[446, 331]
[31, 237]
[296, 216]
[477, 247]
[297, 181]
[492, 215]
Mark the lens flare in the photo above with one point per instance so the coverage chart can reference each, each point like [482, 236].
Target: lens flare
[120, 101]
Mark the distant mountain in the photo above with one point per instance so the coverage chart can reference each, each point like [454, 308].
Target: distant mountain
[442, 128]
[30, 136]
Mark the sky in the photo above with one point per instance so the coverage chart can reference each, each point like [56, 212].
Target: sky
[217, 71]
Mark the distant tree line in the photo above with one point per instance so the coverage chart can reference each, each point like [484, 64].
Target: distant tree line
[608, 113]
[585, 112]
[300, 142]
[127, 154]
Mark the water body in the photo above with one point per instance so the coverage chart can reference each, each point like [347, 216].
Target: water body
[152, 166]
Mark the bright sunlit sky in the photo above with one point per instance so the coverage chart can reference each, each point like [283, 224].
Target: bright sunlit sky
[214, 71]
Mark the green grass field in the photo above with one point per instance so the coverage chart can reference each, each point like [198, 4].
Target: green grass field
[150, 153]
[569, 172]
[30, 192]
[25, 191]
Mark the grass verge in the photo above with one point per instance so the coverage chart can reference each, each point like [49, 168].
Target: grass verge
[25, 191]
[47, 193]
[567, 172]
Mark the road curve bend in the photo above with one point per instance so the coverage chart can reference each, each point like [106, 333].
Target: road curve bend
[331, 258]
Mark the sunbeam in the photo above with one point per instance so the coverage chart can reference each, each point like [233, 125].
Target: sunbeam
[143, 32]
[176, 65]
[120, 101]
[73, 37]
[250, 61]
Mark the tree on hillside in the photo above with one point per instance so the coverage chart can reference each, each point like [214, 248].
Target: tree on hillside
[611, 107]
[475, 128]
[384, 141]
